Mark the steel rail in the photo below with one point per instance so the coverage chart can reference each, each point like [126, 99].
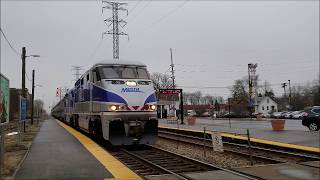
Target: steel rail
[154, 165]
[309, 157]
[235, 172]
[193, 161]
[227, 150]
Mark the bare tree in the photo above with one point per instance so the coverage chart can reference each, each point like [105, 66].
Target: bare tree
[207, 99]
[161, 81]
[195, 97]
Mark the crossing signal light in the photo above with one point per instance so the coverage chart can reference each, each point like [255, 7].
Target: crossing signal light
[58, 91]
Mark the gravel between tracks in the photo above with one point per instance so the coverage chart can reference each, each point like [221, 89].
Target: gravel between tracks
[221, 159]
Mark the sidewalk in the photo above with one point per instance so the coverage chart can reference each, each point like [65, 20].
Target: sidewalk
[55, 154]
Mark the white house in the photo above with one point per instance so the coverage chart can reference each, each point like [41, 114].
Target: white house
[265, 105]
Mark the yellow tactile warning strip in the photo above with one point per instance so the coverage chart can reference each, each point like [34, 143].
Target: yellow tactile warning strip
[263, 141]
[115, 167]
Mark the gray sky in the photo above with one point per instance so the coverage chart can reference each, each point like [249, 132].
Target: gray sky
[212, 41]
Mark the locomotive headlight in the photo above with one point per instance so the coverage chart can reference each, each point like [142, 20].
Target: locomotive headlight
[153, 107]
[131, 83]
[113, 107]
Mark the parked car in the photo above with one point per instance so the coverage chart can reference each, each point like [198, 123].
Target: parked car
[265, 115]
[283, 114]
[311, 118]
[231, 115]
[298, 116]
[288, 115]
[276, 115]
[293, 114]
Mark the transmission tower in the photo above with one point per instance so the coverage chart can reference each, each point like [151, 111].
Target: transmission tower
[172, 70]
[77, 73]
[115, 21]
[253, 83]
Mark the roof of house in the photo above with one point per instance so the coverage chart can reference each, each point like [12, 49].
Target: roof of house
[260, 99]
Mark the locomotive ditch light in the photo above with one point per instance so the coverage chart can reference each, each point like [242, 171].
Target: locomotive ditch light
[153, 107]
[131, 83]
[113, 107]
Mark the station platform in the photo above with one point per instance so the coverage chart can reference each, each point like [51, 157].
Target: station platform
[284, 171]
[60, 152]
[294, 135]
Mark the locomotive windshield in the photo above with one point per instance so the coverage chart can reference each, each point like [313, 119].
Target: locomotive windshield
[124, 72]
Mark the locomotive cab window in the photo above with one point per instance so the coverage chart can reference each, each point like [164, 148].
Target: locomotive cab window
[124, 72]
[81, 82]
[96, 75]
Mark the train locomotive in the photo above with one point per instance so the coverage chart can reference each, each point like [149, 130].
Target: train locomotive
[115, 100]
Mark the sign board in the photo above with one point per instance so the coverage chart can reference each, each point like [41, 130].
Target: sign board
[217, 141]
[169, 91]
[4, 99]
[23, 109]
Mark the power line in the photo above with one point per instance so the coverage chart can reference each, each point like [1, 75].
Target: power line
[133, 17]
[28, 77]
[135, 6]
[12, 48]
[207, 87]
[166, 15]
[77, 72]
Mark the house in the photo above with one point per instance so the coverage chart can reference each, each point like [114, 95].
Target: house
[265, 105]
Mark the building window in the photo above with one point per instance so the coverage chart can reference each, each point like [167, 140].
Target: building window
[262, 107]
[267, 107]
[267, 100]
[272, 108]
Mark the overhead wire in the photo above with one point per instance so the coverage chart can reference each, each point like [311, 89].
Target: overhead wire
[134, 17]
[166, 15]
[135, 6]
[12, 48]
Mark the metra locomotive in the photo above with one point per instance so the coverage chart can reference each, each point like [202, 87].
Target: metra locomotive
[114, 99]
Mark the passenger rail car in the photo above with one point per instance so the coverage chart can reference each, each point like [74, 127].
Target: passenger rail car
[114, 99]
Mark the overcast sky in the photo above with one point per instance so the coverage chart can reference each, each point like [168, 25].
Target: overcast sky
[212, 41]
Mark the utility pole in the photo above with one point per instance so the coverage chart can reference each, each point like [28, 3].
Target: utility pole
[32, 98]
[23, 57]
[289, 95]
[284, 85]
[115, 22]
[172, 70]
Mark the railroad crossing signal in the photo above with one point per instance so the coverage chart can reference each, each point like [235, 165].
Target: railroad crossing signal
[58, 92]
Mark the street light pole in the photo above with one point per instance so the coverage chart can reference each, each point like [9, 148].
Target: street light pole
[32, 98]
[23, 57]
[289, 95]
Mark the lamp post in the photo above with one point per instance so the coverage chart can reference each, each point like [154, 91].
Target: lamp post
[32, 100]
[23, 58]
[289, 96]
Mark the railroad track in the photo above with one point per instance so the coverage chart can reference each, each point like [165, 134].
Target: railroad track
[259, 153]
[149, 160]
